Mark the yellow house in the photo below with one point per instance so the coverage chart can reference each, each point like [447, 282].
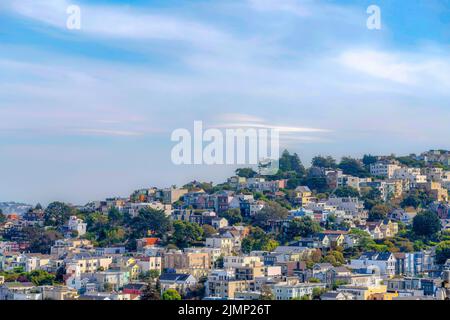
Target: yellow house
[364, 292]
[302, 195]
[383, 296]
[135, 271]
[389, 229]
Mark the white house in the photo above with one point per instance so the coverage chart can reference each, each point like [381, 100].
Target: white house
[77, 225]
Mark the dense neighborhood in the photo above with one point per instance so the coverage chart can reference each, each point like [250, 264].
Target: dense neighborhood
[376, 228]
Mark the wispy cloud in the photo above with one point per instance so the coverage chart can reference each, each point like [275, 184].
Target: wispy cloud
[103, 132]
[289, 6]
[411, 69]
[121, 22]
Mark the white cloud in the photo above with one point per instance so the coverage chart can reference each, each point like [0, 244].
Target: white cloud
[402, 68]
[289, 6]
[113, 133]
[121, 22]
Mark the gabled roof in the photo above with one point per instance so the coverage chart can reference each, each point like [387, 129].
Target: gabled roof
[135, 286]
[380, 256]
[302, 189]
[174, 277]
[323, 266]
[331, 294]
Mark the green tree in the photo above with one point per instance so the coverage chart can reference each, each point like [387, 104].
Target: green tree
[346, 192]
[369, 159]
[171, 294]
[57, 214]
[426, 224]
[208, 230]
[2, 217]
[186, 233]
[324, 162]
[152, 291]
[245, 172]
[292, 163]
[40, 239]
[371, 197]
[317, 292]
[334, 257]
[233, 216]
[266, 293]
[152, 220]
[302, 227]
[443, 252]
[378, 212]
[417, 198]
[271, 211]
[316, 183]
[41, 277]
[115, 216]
[353, 167]
[258, 240]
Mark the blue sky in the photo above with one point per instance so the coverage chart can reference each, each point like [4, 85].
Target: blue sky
[86, 114]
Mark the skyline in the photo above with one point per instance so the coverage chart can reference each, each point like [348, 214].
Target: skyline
[86, 114]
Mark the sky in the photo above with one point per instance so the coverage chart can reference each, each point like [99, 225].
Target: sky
[87, 114]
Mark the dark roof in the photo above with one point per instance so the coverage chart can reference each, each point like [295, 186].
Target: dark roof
[381, 256]
[330, 294]
[135, 286]
[174, 277]
[384, 256]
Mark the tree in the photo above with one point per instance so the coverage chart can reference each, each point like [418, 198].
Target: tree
[353, 167]
[115, 216]
[324, 162]
[258, 240]
[233, 216]
[346, 191]
[369, 159]
[208, 230]
[151, 291]
[40, 240]
[2, 217]
[186, 233]
[41, 277]
[442, 252]
[411, 162]
[417, 198]
[317, 292]
[290, 162]
[266, 293]
[271, 211]
[363, 238]
[245, 172]
[303, 227]
[171, 294]
[371, 197]
[317, 183]
[57, 214]
[378, 212]
[152, 220]
[334, 257]
[426, 224]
